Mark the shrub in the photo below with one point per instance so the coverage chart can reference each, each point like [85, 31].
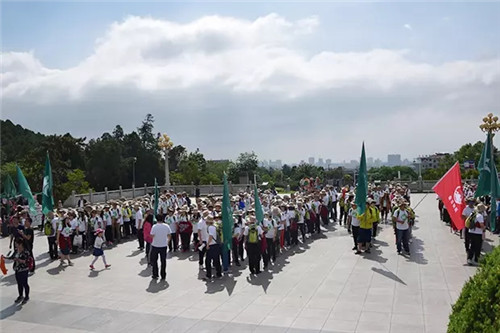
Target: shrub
[478, 307]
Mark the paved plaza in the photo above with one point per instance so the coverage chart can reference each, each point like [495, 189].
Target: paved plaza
[321, 286]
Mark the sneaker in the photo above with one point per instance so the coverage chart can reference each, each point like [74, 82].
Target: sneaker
[357, 252]
[107, 266]
[19, 299]
[25, 300]
[368, 251]
[355, 248]
[469, 261]
[407, 252]
[70, 263]
[91, 267]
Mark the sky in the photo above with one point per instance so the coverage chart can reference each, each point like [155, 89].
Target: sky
[287, 80]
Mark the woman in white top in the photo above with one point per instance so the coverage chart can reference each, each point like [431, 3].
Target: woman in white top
[476, 235]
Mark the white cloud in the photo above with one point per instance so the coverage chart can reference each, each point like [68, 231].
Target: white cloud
[408, 27]
[249, 85]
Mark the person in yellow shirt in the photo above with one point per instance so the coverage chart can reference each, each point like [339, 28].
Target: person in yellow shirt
[365, 228]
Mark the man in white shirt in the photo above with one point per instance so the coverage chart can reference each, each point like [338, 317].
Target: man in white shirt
[401, 216]
[271, 231]
[51, 238]
[202, 237]
[334, 195]
[139, 222]
[160, 232]
[465, 214]
[476, 230]
[213, 249]
[116, 221]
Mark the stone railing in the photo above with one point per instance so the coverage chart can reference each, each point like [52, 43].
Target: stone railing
[134, 192]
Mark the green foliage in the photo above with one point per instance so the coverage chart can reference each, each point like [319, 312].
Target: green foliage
[76, 182]
[478, 307]
[385, 173]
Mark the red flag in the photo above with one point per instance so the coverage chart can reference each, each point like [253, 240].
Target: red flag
[449, 189]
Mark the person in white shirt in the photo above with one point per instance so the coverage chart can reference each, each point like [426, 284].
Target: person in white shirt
[301, 212]
[401, 217]
[108, 232]
[160, 232]
[202, 237]
[51, 237]
[237, 235]
[253, 234]
[171, 221]
[476, 231]
[98, 252]
[353, 220]
[139, 222]
[116, 222]
[74, 231]
[317, 210]
[213, 249]
[271, 230]
[465, 214]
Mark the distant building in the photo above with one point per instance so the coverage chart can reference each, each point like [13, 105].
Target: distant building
[369, 161]
[328, 162]
[431, 161]
[394, 160]
[320, 162]
[311, 160]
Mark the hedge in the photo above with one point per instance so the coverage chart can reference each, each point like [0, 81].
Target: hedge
[478, 307]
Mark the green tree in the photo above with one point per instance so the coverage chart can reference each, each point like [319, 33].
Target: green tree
[76, 182]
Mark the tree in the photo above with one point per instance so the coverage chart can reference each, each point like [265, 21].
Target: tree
[146, 133]
[76, 182]
[118, 132]
[247, 163]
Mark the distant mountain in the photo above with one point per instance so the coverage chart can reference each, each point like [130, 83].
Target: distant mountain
[17, 141]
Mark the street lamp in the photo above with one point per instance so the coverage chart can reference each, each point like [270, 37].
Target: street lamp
[165, 145]
[133, 171]
[490, 124]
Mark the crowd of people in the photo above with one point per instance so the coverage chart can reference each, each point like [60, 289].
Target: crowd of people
[183, 224]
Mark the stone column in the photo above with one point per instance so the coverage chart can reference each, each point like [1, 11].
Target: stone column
[106, 195]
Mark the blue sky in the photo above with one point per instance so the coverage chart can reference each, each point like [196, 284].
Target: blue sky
[62, 34]
[287, 80]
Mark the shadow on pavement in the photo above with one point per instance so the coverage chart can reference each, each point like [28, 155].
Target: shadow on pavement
[387, 273]
[156, 286]
[10, 311]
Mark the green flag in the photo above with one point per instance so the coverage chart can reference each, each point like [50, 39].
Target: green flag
[227, 217]
[9, 189]
[47, 198]
[156, 201]
[25, 190]
[259, 212]
[362, 184]
[488, 178]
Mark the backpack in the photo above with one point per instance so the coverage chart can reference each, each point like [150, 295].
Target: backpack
[48, 229]
[253, 235]
[470, 221]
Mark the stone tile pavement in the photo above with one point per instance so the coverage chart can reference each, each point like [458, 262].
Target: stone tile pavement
[321, 286]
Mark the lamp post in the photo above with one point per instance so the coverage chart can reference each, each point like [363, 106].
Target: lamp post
[133, 171]
[490, 125]
[165, 145]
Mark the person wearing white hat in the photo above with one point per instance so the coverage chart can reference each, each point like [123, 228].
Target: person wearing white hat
[476, 230]
[98, 252]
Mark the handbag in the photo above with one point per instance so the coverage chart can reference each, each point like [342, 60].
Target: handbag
[78, 240]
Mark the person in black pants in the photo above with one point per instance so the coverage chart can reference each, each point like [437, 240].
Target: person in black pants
[161, 235]
[213, 250]
[29, 238]
[253, 245]
[21, 268]
[476, 235]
